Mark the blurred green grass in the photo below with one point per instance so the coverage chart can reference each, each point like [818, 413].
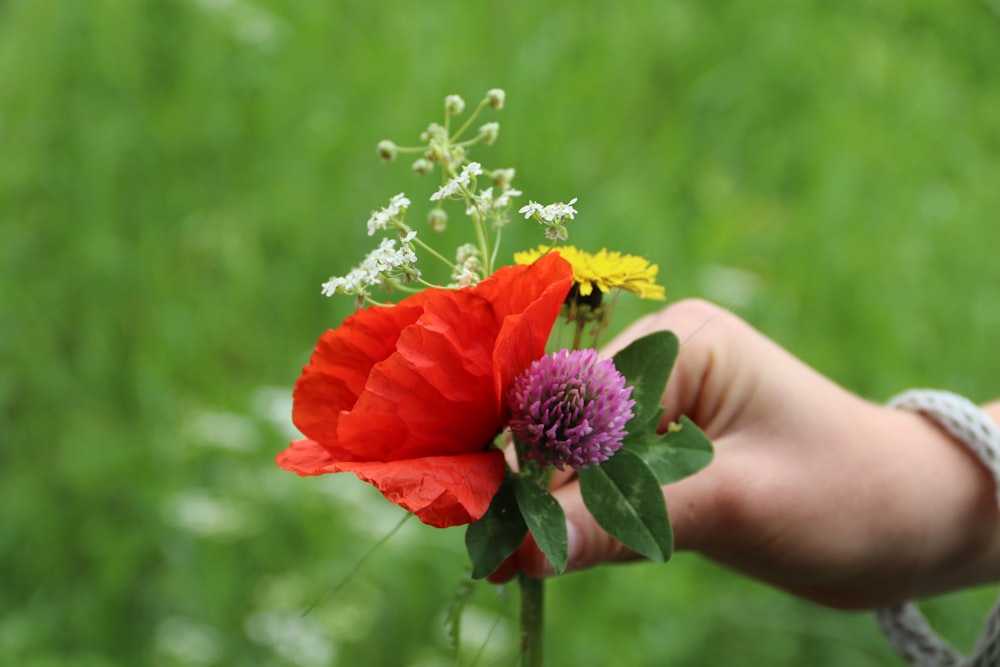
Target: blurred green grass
[179, 176]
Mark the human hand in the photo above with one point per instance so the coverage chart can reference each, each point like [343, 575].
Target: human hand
[812, 489]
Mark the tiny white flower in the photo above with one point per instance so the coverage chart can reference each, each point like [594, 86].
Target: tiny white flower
[530, 209]
[473, 168]
[465, 251]
[380, 265]
[481, 203]
[381, 219]
[377, 222]
[503, 201]
[553, 211]
[467, 275]
[457, 183]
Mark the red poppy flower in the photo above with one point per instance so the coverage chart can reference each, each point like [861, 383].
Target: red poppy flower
[410, 397]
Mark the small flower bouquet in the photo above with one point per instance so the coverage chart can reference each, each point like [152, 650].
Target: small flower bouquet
[454, 404]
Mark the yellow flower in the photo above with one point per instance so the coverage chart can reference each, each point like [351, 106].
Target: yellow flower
[605, 271]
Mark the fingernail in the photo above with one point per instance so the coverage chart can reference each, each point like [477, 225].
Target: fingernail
[572, 544]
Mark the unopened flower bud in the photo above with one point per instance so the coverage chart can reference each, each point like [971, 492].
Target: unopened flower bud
[454, 105]
[433, 131]
[489, 132]
[422, 166]
[502, 178]
[433, 154]
[387, 150]
[437, 219]
[495, 98]
[457, 155]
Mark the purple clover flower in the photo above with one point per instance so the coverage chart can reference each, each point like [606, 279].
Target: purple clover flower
[570, 408]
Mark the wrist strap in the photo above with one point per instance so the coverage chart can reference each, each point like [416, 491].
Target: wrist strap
[903, 624]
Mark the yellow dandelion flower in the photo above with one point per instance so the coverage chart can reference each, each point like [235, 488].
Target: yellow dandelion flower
[604, 271]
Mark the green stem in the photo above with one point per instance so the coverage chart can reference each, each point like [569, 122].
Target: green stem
[468, 121]
[532, 620]
[484, 243]
[578, 335]
[432, 251]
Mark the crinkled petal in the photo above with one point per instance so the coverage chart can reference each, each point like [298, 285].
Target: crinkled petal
[527, 322]
[340, 365]
[305, 457]
[433, 396]
[442, 491]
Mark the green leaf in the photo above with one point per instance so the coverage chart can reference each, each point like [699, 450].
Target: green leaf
[545, 519]
[625, 498]
[683, 450]
[646, 365]
[497, 533]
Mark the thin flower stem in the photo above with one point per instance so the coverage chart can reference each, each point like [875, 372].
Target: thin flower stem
[532, 620]
[468, 121]
[484, 243]
[432, 251]
[578, 335]
[357, 566]
[411, 149]
[496, 247]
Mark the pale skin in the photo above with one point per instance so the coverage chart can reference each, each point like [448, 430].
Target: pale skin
[812, 489]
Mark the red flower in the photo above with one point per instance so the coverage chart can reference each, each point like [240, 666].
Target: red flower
[410, 397]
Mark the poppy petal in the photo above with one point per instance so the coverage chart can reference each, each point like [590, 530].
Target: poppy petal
[435, 395]
[305, 457]
[523, 335]
[442, 491]
[339, 368]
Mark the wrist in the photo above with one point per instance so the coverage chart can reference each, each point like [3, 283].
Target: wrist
[956, 515]
[970, 538]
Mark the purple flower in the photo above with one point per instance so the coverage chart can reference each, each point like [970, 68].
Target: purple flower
[570, 408]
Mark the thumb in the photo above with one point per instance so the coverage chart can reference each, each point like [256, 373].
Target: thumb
[587, 543]
[690, 501]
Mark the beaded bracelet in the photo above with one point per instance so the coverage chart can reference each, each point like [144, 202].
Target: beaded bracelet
[903, 624]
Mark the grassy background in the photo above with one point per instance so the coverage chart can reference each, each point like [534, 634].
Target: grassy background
[179, 176]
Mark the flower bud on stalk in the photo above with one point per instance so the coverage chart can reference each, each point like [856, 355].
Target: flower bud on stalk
[495, 98]
[454, 105]
[387, 150]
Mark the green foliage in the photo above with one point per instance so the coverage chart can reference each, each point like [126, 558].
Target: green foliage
[646, 363]
[498, 532]
[683, 450]
[625, 498]
[545, 519]
[180, 176]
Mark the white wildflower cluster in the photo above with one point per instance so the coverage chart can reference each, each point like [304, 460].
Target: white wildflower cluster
[459, 184]
[446, 145]
[552, 217]
[490, 207]
[439, 149]
[382, 265]
[390, 215]
[468, 266]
